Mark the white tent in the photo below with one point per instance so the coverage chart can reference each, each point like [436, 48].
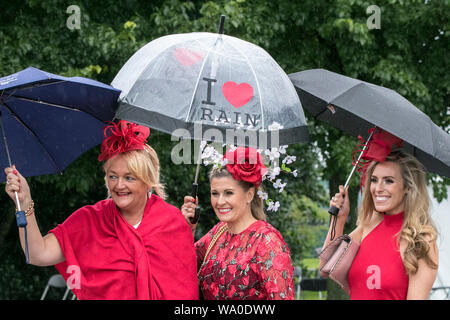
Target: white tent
[440, 212]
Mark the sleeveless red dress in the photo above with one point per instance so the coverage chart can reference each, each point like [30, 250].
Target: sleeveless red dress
[377, 272]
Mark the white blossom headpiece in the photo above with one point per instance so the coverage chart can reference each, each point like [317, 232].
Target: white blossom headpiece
[272, 157]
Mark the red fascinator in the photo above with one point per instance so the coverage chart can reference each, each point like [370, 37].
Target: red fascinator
[122, 137]
[245, 164]
[378, 148]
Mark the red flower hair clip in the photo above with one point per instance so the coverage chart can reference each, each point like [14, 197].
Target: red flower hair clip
[122, 137]
[378, 148]
[245, 164]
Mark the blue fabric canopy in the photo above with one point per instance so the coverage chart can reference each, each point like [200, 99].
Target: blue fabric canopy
[50, 120]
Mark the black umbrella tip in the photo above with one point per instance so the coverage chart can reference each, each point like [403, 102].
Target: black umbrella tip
[221, 24]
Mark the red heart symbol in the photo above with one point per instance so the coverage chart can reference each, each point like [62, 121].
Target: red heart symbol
[237, 94]
[187, 57]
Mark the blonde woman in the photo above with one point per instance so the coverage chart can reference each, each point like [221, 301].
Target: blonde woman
[398, 257]
[250, 260]
[130, 246]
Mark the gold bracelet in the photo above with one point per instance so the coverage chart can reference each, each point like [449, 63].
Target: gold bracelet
[30, 209]
[29, 212]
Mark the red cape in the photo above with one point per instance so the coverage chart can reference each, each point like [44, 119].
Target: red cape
[106, 258]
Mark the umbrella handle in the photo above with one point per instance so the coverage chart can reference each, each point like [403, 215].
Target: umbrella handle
[196, 216]
[20, 214]
[333, 211]
[21, 219]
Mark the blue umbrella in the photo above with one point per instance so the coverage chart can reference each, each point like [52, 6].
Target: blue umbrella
[50, 121]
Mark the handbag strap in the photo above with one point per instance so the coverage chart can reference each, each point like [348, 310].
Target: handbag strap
[211, 245]
[333, 227]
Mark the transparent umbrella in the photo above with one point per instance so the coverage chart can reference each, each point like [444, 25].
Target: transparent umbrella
[215, 80]
[211, 87]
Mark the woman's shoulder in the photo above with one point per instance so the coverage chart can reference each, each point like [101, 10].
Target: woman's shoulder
[165, 214]
[266, 231]
[207, 237]
[97, 209]
[216, 228]
[269, 242]
[85, 216]
[160, 203]
[265, 228]
[357, 233]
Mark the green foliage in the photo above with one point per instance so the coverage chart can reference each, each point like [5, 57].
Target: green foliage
[303, 225]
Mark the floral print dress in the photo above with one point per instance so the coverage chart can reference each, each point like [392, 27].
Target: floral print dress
[254, 264]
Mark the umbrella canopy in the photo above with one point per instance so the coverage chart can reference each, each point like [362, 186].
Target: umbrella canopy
[50, 120]
[218, 81]
[355, 106]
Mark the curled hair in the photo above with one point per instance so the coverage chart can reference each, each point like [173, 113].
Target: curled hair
[144, 165]
[418, 229]
[256, 205]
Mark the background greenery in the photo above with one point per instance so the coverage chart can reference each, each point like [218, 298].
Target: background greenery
[408, 54]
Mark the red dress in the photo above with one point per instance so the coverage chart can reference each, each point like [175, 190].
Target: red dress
[254, 264]
[377, 272]
[107, 258]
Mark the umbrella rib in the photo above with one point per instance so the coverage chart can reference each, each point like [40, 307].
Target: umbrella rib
[197, 82]
[331, 101]
[257, 83]
[35, 85]
[16, 116]
[320, 113]
[55, 105]
[347, 90]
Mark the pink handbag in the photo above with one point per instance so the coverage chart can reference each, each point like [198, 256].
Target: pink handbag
[337, 258]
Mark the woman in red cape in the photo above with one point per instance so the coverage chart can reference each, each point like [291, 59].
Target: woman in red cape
[249, 260]
[130, 246]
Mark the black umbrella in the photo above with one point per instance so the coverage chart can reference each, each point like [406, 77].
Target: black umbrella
[355, 106]
[211, 87]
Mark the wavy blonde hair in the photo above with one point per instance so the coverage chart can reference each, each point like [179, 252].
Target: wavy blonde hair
[144, 165]
[256, 205]
[418, 230]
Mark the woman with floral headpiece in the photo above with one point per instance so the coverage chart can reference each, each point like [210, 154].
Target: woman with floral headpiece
[249, 258]
[130, 246]
[397, 258]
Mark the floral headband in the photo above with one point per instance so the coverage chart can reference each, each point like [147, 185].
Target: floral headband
[254, 166]
[378, 148]
[245, 164]
[122, 137]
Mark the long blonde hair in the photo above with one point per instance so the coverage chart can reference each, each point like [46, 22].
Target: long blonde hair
[144, 165]
[256, 205]
[418, 229]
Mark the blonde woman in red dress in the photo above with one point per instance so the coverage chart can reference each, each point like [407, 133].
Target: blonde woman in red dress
[250, 260]
[398, 257]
